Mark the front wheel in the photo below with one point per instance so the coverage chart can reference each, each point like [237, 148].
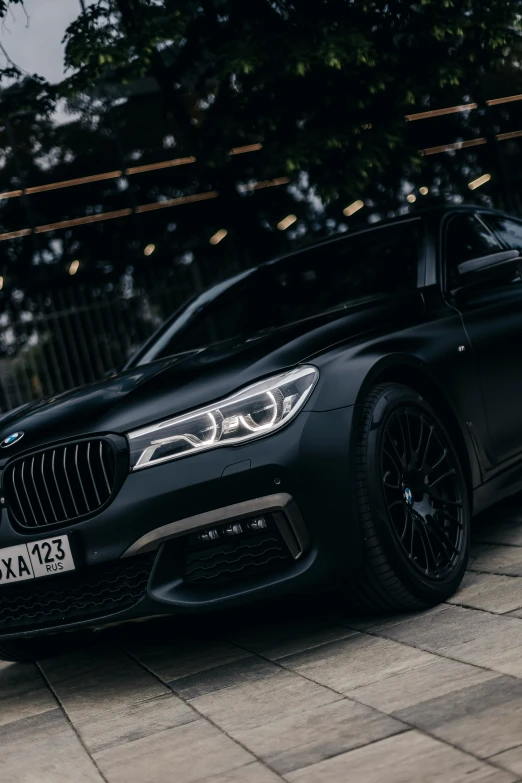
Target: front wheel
[413, 504]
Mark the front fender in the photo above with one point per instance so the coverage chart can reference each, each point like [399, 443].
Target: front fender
[428, 357]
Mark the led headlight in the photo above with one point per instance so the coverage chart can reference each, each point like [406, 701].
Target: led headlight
[256, 410]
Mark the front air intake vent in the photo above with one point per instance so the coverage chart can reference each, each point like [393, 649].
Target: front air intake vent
[233, 561]
[61, 484]
[92, 592]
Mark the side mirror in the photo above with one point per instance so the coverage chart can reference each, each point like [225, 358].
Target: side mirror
[496, 265]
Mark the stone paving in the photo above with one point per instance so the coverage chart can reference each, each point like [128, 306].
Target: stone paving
[295, 692]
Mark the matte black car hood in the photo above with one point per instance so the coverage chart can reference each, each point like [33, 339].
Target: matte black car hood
[148, 393]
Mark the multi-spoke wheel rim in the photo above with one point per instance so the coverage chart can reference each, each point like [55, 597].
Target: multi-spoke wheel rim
[423, 492]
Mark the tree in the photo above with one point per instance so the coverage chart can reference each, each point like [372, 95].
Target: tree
[323, 88]
[305, 79]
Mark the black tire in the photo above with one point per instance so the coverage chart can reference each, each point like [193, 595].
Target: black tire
[38, 648]
[426, 565]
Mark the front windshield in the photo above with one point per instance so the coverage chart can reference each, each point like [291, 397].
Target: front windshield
[380, 261]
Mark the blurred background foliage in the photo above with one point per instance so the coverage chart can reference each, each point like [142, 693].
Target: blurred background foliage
[180, 141]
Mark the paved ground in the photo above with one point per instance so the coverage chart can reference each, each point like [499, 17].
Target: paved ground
[255, 697]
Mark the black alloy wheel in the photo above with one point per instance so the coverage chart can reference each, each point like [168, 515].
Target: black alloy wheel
[413, 503]
[422, 491]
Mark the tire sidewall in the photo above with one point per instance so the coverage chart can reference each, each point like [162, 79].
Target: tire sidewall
[422, 588]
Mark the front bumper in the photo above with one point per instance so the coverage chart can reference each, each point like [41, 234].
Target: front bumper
[301, 478]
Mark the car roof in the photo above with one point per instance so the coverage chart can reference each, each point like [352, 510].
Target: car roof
[360, 227]
[214, 291]
[436, 209]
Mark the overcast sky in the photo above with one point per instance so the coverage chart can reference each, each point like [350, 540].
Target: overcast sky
[37, 48]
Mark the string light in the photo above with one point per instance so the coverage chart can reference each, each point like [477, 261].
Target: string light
[175, 202]
[149, 250]
[423, 190]
[351, 209]
[286, 222]
[11, 194]
[246, 148]
[508, 99]
[23, 232]
[424, 115]
[457, 145]
[74, 267]
[411, 197]
[218, 236]
[476, 183]
[81, 221]
[67, 183]
[509, 135]
[267, 183]
[164, 164]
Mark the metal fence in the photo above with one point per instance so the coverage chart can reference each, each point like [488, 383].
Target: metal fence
[67, 337]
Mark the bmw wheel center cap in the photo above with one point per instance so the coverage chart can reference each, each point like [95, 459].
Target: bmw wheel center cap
[11, 439]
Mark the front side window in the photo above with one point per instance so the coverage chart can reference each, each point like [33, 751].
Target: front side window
[466, 238]
[510, 231]
[377, 262]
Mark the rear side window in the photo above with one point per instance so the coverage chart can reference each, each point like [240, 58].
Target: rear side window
[467, 237]
[510, 231]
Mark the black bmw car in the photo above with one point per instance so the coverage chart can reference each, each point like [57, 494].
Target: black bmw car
[330, 419]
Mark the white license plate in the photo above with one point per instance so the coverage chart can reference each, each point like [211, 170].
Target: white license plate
[38, 558]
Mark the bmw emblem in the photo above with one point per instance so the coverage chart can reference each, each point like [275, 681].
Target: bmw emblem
[11, 439]
[408, 497]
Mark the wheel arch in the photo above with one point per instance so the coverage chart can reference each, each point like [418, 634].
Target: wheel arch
[414, 374]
